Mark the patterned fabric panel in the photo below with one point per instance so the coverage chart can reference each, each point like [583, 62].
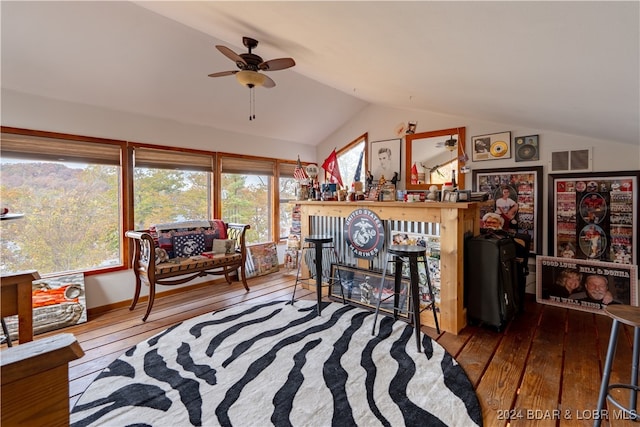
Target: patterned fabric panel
[217, 230]
[163, 234]
[182, 224]
[197, 263]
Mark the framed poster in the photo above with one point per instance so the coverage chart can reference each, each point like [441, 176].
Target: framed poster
[526, 148]
[385, 159]
[362, 287]
[594, 216]
[517, 195]
[494, 146]
[262, 259]
[585, 285]
[58, 302]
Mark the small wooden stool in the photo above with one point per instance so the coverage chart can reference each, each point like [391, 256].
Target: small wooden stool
[628, 315]
[316, 242]
[411, 253]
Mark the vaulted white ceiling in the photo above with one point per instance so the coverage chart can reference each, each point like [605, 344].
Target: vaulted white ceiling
[571, 66]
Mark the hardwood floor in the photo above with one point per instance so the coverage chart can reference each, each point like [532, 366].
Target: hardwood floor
[544, 369]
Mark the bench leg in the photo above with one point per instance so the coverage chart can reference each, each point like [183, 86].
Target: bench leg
[136, 294]
[152, 297]
[227, 277]
[243, 277]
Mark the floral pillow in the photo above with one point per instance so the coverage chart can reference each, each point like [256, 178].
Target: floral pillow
[224, 246]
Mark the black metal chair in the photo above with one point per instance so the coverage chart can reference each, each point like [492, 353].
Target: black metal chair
[628, 315]
[398, 254]
[317, 246]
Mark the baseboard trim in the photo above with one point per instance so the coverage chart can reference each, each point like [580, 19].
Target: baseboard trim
[120, 304]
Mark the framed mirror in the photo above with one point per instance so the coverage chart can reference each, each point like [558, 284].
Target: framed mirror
[435, 155]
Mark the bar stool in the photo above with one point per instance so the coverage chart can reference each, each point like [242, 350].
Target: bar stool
[315, 242]
[5, 331]
[398, 254]
[628, 315]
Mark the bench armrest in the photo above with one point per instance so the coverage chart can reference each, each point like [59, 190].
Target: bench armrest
[144, 252]
[35, 357]
[238, 233]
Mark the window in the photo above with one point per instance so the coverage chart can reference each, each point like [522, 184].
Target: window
[442, 174]
[171, 186]
[59, 185]
[348, 159]
[287, 193]
[247, 195]
[79, 195]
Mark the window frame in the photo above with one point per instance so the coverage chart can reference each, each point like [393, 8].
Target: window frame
[251, 165]
[285, 169]
[126, 177]
[123, 191]
[172, 158]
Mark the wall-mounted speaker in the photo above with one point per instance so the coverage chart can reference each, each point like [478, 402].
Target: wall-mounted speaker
[526, 148]
[571, 160]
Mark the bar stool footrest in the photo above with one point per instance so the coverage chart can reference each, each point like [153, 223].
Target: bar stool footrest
[632, 413]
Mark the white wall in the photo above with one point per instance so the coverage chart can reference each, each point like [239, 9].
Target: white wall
[33, 112]
[380, 122]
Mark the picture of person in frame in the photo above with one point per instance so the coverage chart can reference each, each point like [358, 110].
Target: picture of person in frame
[596, 290]
[482, 145]
[507, 207]
[385, 168]
[567, 283]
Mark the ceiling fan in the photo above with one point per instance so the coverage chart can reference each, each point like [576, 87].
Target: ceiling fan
[450, 144]
[249, 65]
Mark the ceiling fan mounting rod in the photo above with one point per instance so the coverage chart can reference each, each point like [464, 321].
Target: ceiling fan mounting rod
[249, 43]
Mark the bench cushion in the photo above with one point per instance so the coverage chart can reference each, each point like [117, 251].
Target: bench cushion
[197, 263]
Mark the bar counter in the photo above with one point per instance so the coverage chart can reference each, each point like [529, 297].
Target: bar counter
[455, 221]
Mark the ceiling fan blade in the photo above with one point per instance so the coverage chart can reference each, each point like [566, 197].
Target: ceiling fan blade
[268, 82]
[223, 73]
[231, 54]
[277, 64]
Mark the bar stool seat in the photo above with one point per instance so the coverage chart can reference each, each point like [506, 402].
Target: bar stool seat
[412, 254]
[628, 315]
[317, 243]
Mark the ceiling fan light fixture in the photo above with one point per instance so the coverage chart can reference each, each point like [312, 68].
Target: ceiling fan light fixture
[250, 78]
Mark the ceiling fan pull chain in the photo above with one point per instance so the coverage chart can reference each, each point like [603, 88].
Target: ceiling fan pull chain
[252, 104]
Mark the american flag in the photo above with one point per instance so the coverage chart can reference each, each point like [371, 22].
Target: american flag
[299, 172]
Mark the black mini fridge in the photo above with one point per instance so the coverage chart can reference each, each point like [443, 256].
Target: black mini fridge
[492, 293]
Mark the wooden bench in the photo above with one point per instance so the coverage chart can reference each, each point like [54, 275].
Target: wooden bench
[155, 264]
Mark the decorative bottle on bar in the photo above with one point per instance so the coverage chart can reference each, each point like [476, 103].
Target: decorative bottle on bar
[453, 179]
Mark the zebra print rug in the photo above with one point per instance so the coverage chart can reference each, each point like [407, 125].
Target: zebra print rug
[280, 364]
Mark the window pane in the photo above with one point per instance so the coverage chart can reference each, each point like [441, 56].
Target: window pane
[71, 216]
[442, 174]
[168, 195]
[246, 199]
[348, 162]
[287, 194]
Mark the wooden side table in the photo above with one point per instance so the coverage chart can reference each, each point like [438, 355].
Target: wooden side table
[35, 381]
[15, 298]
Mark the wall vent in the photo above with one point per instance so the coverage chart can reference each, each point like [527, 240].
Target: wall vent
[571, 160]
